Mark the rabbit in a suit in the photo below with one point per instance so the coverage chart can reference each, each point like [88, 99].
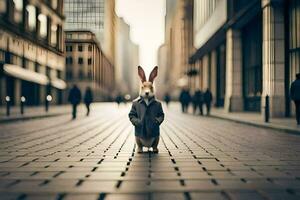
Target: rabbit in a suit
[146, 114]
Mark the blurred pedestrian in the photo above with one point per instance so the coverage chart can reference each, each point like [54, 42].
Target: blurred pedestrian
[74, 98]
[207, 100]
[197, 100]
[295, 96]
[184, 99]
[119, 99]
[167, 99]
[88, 99]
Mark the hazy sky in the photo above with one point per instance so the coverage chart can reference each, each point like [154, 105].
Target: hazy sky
[146, 19]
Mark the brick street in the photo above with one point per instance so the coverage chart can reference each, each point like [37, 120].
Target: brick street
[95, 158]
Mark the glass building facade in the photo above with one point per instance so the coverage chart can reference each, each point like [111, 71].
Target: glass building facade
[85, 15]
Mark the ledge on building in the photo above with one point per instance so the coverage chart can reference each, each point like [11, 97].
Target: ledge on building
[25, 74]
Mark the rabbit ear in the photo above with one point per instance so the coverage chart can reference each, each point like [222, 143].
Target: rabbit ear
[141, 74]
[153, 74]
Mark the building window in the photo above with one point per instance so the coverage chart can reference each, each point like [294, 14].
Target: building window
[69, 60]
[59, 73]
[54, 35]
[43, 25]
[69, 75]
[69, 48]
[90, 74]
[80, 74]
[89, 61]
[31, 20]
[80, 61]
[80, 48]
[16, 60]
[3, 6]
[69, 36]
[48, 71]
[36, 67]
[18, 12]
[54, 4]
[252, 64]
[90, 47]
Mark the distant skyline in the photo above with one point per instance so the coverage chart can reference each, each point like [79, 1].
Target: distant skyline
[147, 22]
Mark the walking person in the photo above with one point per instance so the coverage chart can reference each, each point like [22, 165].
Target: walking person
[185, 99]
[167, 99]
[207, 100]
[197, 100]
[119, 99]
[74, 98]
[295, 96]
[88, 99]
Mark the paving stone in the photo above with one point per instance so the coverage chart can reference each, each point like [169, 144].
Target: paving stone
[94, 158]
[127, 197]
[81, 197]
[168, 196]
[245, 195]
[208, 195]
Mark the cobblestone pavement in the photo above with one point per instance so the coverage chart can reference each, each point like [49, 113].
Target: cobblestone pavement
[94, 158]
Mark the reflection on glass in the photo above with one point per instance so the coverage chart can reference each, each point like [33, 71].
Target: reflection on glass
[53, 35]
[18, 17]
[43, 25]
[18, 5]
[54, 4]
[31, 17]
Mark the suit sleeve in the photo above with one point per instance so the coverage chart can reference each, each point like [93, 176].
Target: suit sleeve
[161, 115]
[133, 117]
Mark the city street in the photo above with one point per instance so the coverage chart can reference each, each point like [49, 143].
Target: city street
[95, 158]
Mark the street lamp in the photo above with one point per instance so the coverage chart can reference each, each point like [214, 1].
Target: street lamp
[7, 99]
[47, 102]
[23, 100]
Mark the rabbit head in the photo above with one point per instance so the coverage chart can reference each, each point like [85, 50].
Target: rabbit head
[147, 89]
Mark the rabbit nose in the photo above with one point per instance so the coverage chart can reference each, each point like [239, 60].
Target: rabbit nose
[147, 93]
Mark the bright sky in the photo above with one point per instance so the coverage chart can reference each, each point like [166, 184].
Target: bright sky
[147, 22]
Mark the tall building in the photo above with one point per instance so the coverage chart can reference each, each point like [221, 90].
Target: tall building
[110, 21]
[85, 15]
[134, 84]
[178, 45]
[161, 82]
[210, 18]
[87, 66]
[127, 57]
[32, 61]
[246, 51]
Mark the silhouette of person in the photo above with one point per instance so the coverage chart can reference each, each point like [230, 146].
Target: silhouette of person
[167, 99]
[88, 99]
[184, 99]
[197, 100]
[207, 100]
[119, 99]
[295, 96]
[74, 98]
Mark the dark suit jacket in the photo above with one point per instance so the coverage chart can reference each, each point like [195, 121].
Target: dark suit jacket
[146, 118]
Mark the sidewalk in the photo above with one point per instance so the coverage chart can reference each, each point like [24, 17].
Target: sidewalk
[255, 119]
[288, 125]
[35, 112]
[32, 112]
